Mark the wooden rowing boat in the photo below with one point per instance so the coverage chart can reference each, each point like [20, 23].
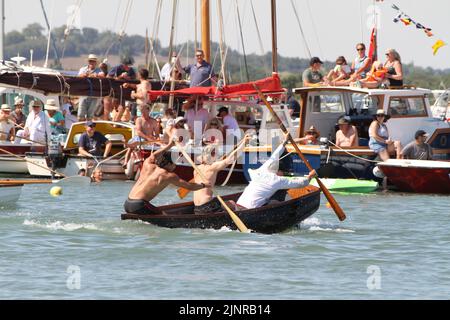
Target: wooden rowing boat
[272, 218]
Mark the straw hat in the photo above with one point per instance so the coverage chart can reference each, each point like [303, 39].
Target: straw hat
[5, 107]
[17, 101]
[313, 129]
[92, 57]
[51, 105]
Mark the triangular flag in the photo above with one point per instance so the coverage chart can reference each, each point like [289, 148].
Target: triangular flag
[439, 44]
[428, 32]
[406, 21]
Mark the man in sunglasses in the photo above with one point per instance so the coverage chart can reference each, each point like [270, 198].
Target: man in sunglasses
[201, 73]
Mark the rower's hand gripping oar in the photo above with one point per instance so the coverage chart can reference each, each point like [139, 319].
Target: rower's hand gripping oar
[337, 209]
[241, 226]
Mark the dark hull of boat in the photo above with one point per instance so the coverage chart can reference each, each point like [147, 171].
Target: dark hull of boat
[269, 219]
[418, 180]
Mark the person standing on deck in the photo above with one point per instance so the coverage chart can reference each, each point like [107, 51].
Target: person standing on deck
[156, 175]
[17, 115]
[201, 73]
[88, 105]
[267, 180]
[7, 131]
[210, 167]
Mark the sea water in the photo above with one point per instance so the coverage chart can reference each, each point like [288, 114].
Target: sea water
[392, 246]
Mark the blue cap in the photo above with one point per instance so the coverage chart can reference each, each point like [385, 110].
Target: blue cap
[90, 124]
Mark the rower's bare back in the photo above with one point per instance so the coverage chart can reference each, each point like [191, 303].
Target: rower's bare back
[204, 195]
[147, 187]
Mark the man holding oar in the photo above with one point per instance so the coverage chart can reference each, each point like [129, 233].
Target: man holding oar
[156, 175]
[268, 179]
[210, 167]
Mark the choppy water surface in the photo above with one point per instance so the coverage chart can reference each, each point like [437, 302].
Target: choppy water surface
[75, 246]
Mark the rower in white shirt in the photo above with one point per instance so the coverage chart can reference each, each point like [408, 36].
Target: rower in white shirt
[267, 180]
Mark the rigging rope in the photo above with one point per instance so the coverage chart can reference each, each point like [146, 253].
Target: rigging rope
[242, 41]
[261, 47]
[69, 26]
[301, 29]
[314, 28]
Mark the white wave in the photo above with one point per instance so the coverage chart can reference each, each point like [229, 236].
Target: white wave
[59, 225]
[314, 224]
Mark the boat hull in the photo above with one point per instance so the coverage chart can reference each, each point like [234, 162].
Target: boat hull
[269, 219]
[419, 176]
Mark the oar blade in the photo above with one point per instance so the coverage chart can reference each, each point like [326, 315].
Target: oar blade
[337, 209]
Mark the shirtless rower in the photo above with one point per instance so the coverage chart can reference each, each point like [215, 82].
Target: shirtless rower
[157, 174]
[210, 167]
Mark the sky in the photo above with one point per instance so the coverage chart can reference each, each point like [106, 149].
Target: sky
[331, 28]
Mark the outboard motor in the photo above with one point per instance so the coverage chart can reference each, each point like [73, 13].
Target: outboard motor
[55, 153]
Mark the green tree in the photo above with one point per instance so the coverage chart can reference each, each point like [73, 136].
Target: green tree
[33, 31]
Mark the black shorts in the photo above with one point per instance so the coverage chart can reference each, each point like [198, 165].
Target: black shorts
[211, 206]
[139, 206]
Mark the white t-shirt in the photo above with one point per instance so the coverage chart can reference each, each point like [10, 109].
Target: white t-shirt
[5, 127]
[264, 183]
[201, 115]
[232, 126]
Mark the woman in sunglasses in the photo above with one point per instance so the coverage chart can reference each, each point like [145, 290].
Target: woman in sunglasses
[380, 142]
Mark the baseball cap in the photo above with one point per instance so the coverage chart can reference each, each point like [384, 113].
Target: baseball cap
[420, 133]
[315, 60]
[90, 124]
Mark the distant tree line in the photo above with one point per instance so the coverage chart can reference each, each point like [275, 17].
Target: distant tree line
[90, 40]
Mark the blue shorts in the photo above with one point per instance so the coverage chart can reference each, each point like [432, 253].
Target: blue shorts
[377, 146]
[136, 139]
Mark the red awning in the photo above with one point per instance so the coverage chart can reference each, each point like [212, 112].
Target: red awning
[267, 85]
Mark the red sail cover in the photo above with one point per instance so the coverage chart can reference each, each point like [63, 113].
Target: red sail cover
[373, 45]
[267, 85]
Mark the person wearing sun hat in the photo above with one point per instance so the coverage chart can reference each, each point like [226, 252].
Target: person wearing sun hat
[37, 126]
[311, 137]
[17, 115]
[380, 141]
[55, 117]
[7, 131]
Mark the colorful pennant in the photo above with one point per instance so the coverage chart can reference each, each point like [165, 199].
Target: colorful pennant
[407, 20]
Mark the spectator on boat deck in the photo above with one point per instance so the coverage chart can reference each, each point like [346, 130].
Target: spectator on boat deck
[168, 114]
[88, 105]
[156, 175]
[268, 179]
[375, 77]
[347, 135]
[230, 126]
[55, 117]
[379, 141]
[140, 92]
[17, 116]
[146, 129]
[82, 172]
[394, 68]
[294, 107]
[37, 126]
[7, 131]
[418, 149]
[201, 73]
[362, 63]
[68, 113]
[123, 71]
[210, 166]
[313, 77]
[168, 68]
[311, 137]
[341, 71]
[214, 132]
[196, 116]
[91, 142]
[103, 68]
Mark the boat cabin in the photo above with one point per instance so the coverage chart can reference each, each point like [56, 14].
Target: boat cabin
[409, 111]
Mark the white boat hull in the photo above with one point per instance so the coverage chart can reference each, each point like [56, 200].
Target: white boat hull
[10, 164]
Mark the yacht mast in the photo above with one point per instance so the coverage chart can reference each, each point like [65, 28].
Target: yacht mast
[2, 27]
[205, 30]
[274, 36]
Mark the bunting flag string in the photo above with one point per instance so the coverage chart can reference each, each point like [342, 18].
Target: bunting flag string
[407, 21]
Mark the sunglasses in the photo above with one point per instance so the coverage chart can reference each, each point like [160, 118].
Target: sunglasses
[381, 115]
[360, 49]
[199, 55]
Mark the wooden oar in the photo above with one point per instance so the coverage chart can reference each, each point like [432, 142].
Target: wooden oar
[182, 192]
[14, 182]
[337, 209]
[241, 226]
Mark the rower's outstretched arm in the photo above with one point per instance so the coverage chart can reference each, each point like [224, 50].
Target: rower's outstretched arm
[175, 180]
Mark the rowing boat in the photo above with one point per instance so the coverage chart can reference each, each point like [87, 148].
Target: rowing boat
[272, 218]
